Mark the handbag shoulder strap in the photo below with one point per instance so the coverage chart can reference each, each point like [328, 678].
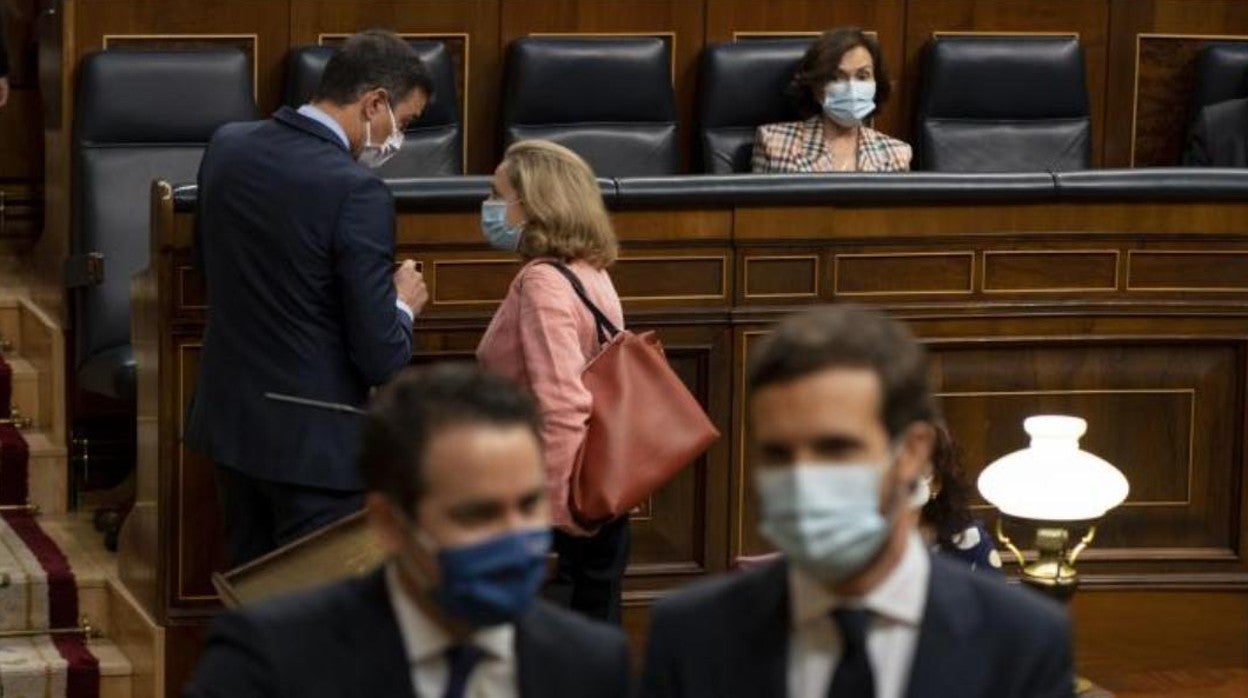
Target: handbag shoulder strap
[606, 328]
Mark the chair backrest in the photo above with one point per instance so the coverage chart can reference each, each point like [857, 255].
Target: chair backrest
[433, 145]
[610, 100]
[1221, 74]
[139, 116]
[1002, 104]
[743, 85]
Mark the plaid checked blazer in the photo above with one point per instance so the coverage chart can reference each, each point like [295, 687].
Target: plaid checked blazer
[797, 146]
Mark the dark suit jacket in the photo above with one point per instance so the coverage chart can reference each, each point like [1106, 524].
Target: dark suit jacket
[980, 638]
[1219, 136]
[343, 640]
[296, 240]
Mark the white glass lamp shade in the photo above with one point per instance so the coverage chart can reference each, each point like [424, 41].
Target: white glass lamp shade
[1052, 479]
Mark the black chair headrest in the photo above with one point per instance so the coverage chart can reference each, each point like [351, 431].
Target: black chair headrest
[744, 83]
[1221, 74]
[1004, 77]
[306, 64]
[588, 80]
[135, 96]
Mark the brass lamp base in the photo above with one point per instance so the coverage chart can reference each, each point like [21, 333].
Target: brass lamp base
[1053, 572]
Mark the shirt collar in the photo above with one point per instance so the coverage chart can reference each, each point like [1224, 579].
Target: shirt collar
[900, 596]
[424, 639]
[329, 122]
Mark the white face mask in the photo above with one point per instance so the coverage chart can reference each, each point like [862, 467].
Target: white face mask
[922, 492]
[824, 516]
[373, 155]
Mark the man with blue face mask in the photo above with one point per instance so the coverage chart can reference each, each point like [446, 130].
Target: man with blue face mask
[295, 239]
[840, 418]
[457, 497]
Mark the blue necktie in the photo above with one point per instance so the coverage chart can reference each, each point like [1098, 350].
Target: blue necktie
[461, 659]
[853, 677]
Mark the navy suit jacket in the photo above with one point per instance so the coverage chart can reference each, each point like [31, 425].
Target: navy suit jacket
[296, 242]
[1219, 136]
[343, 640]
[980, 638]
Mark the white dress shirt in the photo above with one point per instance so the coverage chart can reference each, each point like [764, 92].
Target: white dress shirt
[329, 122]
[426, 644]
[815, 644]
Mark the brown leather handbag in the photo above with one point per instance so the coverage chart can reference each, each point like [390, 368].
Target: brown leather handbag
[644, 427]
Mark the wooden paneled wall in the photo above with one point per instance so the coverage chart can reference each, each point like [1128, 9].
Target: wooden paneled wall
[1139, 56]
[1130, 314]
[21, 136]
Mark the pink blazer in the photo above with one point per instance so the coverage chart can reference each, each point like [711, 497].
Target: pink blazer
[541, 337]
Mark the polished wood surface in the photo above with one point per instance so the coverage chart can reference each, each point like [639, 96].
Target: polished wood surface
[1139, 56]
[1107, 311]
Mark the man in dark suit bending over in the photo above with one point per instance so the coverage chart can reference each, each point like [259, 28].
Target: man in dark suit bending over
[457, 496]
[840, 419]
[295, 236]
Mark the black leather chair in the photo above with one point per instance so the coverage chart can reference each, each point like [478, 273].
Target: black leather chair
[743, 85]
[610, 100]
[433, 145]
[1001, 104]
[1221, 74]
[139, 116]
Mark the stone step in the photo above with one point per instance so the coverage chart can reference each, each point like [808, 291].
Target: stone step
[48, 477]
[10, 322]
[25, 389]
[116, 672]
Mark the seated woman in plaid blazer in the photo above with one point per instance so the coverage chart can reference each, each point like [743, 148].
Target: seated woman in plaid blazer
[840, 82]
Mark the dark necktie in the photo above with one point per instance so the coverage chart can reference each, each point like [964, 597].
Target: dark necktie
[460, 660]
[853, 677]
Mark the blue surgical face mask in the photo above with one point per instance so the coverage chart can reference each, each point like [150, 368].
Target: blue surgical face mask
[498, 233]
[848, 102]
[494, 581]
[824, 516]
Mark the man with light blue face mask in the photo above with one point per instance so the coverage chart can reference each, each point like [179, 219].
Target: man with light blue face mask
[457, 498]
[840, 422]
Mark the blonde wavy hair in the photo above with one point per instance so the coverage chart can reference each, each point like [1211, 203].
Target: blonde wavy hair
[566, 216]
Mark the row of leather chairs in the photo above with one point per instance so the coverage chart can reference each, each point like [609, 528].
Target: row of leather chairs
[988, 103]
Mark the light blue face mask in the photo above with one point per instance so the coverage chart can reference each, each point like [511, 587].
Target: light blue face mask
[848, 102]
[498, 233]
[824, 516]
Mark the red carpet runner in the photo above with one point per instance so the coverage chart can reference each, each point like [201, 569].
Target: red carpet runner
[82, 678]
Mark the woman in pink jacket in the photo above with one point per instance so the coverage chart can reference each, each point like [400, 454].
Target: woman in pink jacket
[545, 205]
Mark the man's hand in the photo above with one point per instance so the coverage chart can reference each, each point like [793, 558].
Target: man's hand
[410, 285]
[4, 91]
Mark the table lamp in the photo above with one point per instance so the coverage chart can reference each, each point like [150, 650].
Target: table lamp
[1060, 490]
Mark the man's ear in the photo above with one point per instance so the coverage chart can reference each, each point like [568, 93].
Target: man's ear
[388, 528]
[917, 444]
[374, 102]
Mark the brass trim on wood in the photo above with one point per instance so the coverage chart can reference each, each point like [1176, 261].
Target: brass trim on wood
[723, 277]
[969, 32]
[1191, 435]
[255, 49]
[1204, 289]
[438, 263]
[745, 276]
[836, 273]
[182, 596]
[1082, 289]
[463, 117]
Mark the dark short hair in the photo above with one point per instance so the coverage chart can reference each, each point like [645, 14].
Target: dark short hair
[849, 336]
[821, 61]
[949, 512]
[411, 410]
[372, 59]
